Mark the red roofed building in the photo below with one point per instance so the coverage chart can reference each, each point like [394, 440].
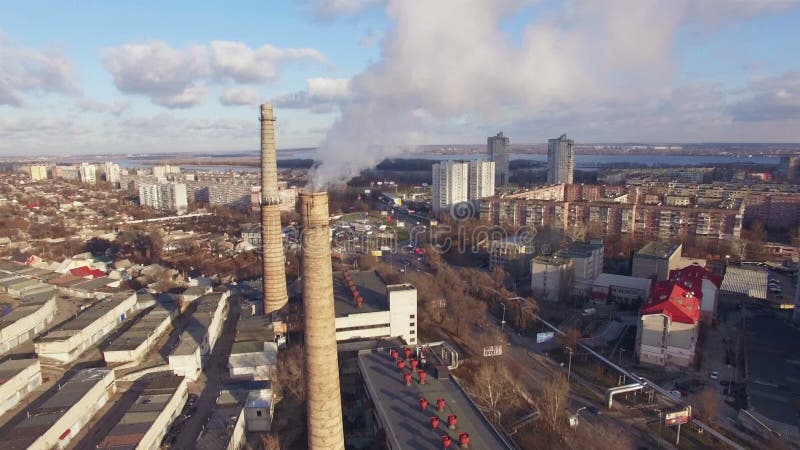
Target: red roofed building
[669, 323]
[86, 272]
[704, 284]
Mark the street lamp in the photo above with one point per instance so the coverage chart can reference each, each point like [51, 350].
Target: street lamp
[503, 320]
[569, 365]
[730, 378]
[659, 426]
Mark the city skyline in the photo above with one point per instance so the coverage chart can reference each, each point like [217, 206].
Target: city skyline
[161, 78]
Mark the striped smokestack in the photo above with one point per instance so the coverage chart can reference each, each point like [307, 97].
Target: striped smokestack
[274, 271]
[322, 368]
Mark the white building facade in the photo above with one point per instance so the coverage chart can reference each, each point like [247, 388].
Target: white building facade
[481, 179]
[88, 173]
[550, 278]
[450, 184]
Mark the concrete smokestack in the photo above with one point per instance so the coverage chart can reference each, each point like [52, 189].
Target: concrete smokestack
[322, 365]
[274, 270]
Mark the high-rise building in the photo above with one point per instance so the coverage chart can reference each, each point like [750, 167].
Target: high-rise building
[560, 160]
[164, 196]
[88, 173]
[111, 172]
[481, 179]
[38, 172]
[163, 170]
[497, 147]
[450, 184]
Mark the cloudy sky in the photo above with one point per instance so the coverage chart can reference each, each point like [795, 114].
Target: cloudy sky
[98, 77]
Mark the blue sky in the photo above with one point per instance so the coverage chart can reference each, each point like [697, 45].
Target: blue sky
[96, 77]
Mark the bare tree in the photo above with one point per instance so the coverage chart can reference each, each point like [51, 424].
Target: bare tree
[270, 442]
[707, 405]
[553, 399]
[289, 374]
[571, 337]
[494, 388]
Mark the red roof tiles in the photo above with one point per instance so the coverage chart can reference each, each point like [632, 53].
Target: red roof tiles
[674, 300]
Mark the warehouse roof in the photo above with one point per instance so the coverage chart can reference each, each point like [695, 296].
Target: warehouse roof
[45, 416]
[12, 367]
[750, 282]
[406, 425]
[371, 288]
[154, 395]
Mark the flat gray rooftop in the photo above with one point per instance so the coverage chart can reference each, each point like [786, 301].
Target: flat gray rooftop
[370, 286]
[86, 317]
[10, 368]
[407, 426]
[144, 326]
[659, 250]
[154, 394]
[43, 417]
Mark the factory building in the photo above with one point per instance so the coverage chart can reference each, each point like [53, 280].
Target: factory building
[144, 424]
[200, 335]
[56, 421]
[367, 308]
[29, 318]
[423, 408]
[67, 341]
[136, 341]
[254, 353]
[620, 289]
[18, 377]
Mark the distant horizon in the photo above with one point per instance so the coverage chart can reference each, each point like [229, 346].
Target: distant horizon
[793, 146]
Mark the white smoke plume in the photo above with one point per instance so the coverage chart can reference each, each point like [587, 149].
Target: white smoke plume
[445, 61]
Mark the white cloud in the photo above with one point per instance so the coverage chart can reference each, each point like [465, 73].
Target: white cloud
[770, 98]
[177, 78]
[240, 96]
[24, 70]
[321, 95]
[168, 76]
[237, 61]
[329, 9]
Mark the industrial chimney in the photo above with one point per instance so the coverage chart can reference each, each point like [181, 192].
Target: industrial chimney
[274, 271]
[322, 368]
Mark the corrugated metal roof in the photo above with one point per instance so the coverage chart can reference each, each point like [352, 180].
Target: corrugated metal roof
[749, 282]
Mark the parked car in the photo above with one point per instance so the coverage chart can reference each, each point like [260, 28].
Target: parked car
[714, 375]
[192, 400]
[594, 410]
[189, 412]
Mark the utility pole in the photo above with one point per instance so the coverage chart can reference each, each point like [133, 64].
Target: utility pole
[659, 427]
[569, 365]
[730, 378]
[503, 320]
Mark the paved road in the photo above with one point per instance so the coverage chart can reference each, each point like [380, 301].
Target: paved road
[208, 386]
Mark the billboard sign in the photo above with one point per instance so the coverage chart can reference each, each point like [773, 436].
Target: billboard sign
[545, 337]
[493, 350]
[676, 418]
